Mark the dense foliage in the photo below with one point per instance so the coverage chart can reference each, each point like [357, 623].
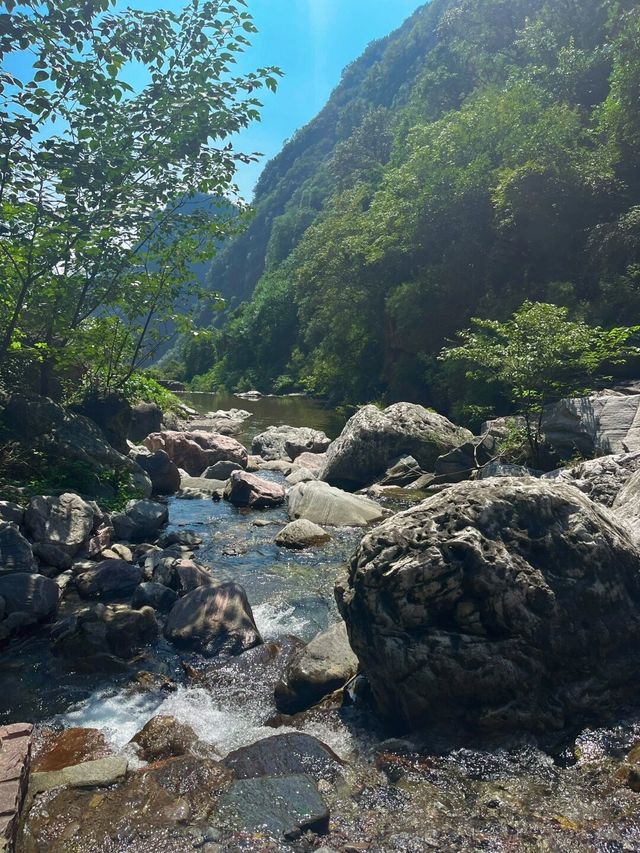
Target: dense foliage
[485, 154]
[101, 185]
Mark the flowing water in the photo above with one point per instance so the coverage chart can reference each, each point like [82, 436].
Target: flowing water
[576, 797]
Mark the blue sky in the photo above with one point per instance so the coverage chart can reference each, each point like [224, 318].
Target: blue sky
[311, 41]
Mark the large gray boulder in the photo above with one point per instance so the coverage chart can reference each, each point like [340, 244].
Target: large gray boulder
[500, 605]
[322, 666]
[323, 504]
[39, 424]
[195, 451]
[604, 423]
[602, 478]
[162, 471]
[301, 534]
[213, 620]
[66, 522]
[16, 553]
[141, 521]
[372, 439]
[287, 442]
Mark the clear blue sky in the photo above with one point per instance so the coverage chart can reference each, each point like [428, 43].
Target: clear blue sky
[311, 41]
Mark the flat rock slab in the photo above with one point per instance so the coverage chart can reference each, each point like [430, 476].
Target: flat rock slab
[90, 774]
[15, 760]
[283, 807]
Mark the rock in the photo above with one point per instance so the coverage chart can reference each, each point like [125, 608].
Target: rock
[197, 450]
[462, 462]
[172, 385]
[183, 576]
[323, 504]
[188, 538]
[90, 774]
[284, 755]
[604, 423]
[11, 512]
[277, 465]
[322, 666]
[245, 489]
[286, 442]
[301, 534]
[145, 419]
[70, 747]
[282, 807]
[502, 605]
[402, 472]
[313, 462]
[200, 488]
[66, 522]
[301, 475]
[109, 578]
[38, 424]
[372, 439]
[52, 555]
[112, 414]
[34, 596]
[15, 762]
[503, 469]
[141, 520]
[96, 637]
[602, 478]
[212, 620]
[249, 395]
[164, 737]
[626, 505]
[16, 554]
[163, 473]
[128, 630]
[221, 470]
[154, 595]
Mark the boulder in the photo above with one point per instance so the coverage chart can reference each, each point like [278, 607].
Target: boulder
[602, 478]
[604, 423]
[301, 475]
[129, 629]
[225, 422]
[154, 595]
[200, 488]
[182, 576]
[286, 442]
[301, 534]
[16, 554]
[284, 755]
[313, 462]
[164, 737]
[109, 578]
[163, 473]
[280, 807]
[500, 605]
[96, 638]
[145, 419]
[221, 470]
[112, 414]
[52, 556]
[462, 462]
[503, 469]
[11, 512]
[68, 747]
[197, 450]
[186, 538]
[402, 472]
[244, 489]
[372, 439]
[626, 505]
[66, 522]
[325, 505]
[322, 666]
[213, 620]
[65, 438]
[90, 774]
[33, 595]
[141, 520]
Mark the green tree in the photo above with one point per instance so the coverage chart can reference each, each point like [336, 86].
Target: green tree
[96, 178]
[539, 356]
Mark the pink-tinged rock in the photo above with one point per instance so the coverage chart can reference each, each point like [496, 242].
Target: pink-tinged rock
[245, 489]
[195, 451]
[312, 461]
[15, 761]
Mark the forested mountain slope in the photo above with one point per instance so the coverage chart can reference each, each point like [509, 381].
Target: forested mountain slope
[485, 153]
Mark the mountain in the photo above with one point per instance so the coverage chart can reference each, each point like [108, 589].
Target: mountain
[484, 153]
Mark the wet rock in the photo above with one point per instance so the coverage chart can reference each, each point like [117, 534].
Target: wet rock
[200, 488]
[372, 439]
[12, 513]
[301, 534]
[141, 520]
[301, 475]
[601, 479]
[95, 638]
[69, 747]
[128, 630]
[164, 737]
[188, 538]
[213, 620]
[504, 605]
[283, 807]
[109, 578]
[66, 522]
[196, 451]
[221, 470]
[322, 666]
[183, 576]
[145, 419]
[245, 489]
[15, 760]
[90, 774]
[286, 442]
[154, 595]
[162, 471]
[16, 553]
[33, 596]
[284, 755]
[325, 505]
